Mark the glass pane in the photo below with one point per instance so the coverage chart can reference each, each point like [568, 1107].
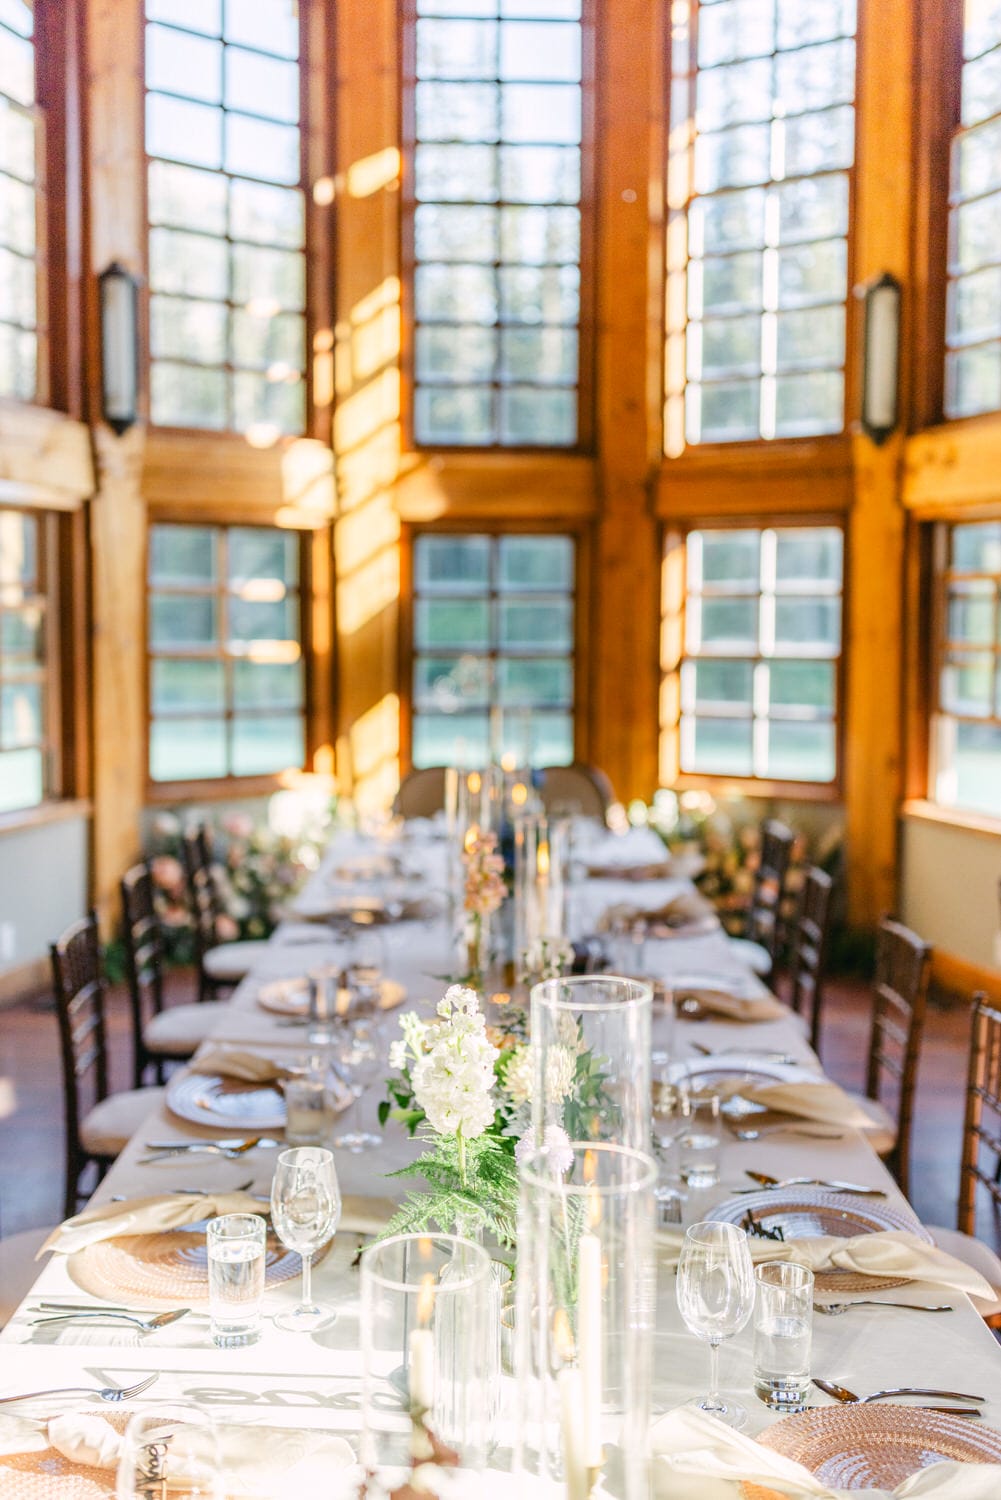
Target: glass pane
[278, 402]
[813, 78]
[276, 343]
[809, 404]
[187, 686]
[722, 413]
[462, 355]
[719, 747]
[729, 284]
[22, 779]
[720, 685]
[734, 29]
[807, 624]
[535, 562]
[267, 684]
[531, 295]
[815, 143]
[188, 330]
[447, 683]
[17, 67]
[262, 85]
[22, 638]
[801, 752]
[981, 88]
[728, 624]
[452, 233]
[977, 161]
[17, 14]
[17, 141]
[535, 683]
[456, 111]
[724, 346]
[813, 273]
[257, 554]
[183, 556]
[808, 556]
[455, 623]
[539, 624]
[976, 548]
[451, 739]
[188, 396]
[732, 158]
[189, 264]
[183, 131]
[802, 685]
[456, 49]
[533, 415]
[540, 49]
[452, 294]
[537, 236]
[180, 63]
[972, 776]
[540, 174]
[455, 172]
[187, 749]
[733, 221]
[270, 215]
[267, 25]
[17, 288]
[799, 23]
[193, 15]
[453, 564]
[813, 208]
[975, 307]
[252, 621]
[551, 739]
[262, 275]
[18, 363]
[811, 338]
[730, 556]
[973, 381]
[17, 216]
[20, 714]
[540, 112]
[182, 621]
[970, 612]
[18, 548]
[541, 354]
[976, 232]
[443, 416]
[735, 95]
[187, 197]
[967, 684]
[274, 743]
[258, 148]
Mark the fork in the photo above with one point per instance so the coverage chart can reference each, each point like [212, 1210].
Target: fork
[835, 1309]
[105, 1393]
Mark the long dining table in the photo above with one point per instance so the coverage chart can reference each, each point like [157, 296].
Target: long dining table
[312, 1380]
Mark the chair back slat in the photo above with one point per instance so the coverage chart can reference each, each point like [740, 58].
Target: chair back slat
[764, 912]
[808, 958]
[142, 937]
[900, 992]
[79, 993]
[204, 897]
[982, 1124]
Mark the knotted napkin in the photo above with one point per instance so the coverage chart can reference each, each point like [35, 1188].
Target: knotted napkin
[721, 1002]
[680, 911]
[248, 1067]
[150, 1215]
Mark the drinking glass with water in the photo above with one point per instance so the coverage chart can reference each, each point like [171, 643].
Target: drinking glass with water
[699, 1138]
[236, 1277]
[783, 1327]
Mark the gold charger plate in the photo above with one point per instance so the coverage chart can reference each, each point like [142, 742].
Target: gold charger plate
[806, 1213]
[166, 1270]
[874, 1447]
[226, 1103]
[290, 997]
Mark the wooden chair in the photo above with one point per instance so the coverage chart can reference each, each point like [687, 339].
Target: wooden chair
[981, 1147]
[576, 788]
[900, 991]
[220, 965]
[759, 947]
[421, 793]
[160, 1034]
[98, 1124]
[808, 956]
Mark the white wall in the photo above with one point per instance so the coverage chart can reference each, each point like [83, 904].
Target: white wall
[43, 888]
[949, 888]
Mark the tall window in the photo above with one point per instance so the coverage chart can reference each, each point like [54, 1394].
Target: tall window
[493, 634]
[24, 686]
[973, 320]
[226, 214]
[762, 639]
[226, 683]
[496, 222]
[966, 752]
[19, 300]
[762, 140]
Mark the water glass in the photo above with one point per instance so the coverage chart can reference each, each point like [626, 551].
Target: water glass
[309, 1110]
[783, 1327]
[173, 1449]
[305, 1211]
[699, 1139]
[236, 1277]
[328, 999]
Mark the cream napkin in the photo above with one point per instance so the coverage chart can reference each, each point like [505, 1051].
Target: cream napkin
[249, 1067]
[735, 1007]
[21, 1435]
[366, 1215]
[692, 1445]
[891, 1252]
[145, 1216]
[822, 1101]
[689, 906]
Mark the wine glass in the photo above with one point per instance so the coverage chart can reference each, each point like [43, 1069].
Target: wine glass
[716, 1299]
[361, 1057]
[173, 1448]
[305, 1212]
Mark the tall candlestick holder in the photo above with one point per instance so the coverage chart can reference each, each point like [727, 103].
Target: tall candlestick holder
[541, 846]
[584, 1318]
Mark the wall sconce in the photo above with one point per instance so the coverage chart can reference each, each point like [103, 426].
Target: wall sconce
[880, 356]
[119, 294]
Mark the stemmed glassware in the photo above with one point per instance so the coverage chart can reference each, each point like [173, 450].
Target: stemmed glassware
[305, 1212]
[716, 1299]
[361, 1056]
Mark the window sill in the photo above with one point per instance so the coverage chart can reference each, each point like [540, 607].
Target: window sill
[921, 811]
[233, 788]
[55, 811]
[735, 786]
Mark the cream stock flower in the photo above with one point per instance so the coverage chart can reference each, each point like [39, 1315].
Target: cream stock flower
[453, 1078]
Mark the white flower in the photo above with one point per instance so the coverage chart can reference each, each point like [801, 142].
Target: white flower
[561, 1066]
[398, 1054]
[453, 1076]
[518, 1075]
[555, 1145]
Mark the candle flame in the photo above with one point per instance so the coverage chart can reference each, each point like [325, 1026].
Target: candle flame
[474, 782]
[508, 761]
[563, 1336]
[519, 794]
[425, 1301]
[472, 834]
[542, 859]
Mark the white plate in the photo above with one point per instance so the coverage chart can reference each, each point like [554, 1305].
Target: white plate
[226, 1103]
[749, 1065]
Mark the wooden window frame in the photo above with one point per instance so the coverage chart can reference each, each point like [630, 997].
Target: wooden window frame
[588, 206]
[671, 659]
[220, 788]
[580, 534]
[798, 449]
[313, 150]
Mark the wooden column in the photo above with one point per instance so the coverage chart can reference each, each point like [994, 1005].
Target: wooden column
[630, 115]
[875, 585]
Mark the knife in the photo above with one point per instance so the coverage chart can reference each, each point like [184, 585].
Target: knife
[229, 1143]
[825, 1182]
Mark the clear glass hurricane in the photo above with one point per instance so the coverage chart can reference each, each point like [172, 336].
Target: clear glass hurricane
[172, 1448]
[305, 1213]
[716, 1299]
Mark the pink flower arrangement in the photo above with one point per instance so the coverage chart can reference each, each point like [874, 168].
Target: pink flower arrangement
[485, 888]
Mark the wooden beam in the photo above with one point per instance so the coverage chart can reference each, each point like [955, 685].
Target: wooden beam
[954, 471]
[483, 486]
[45, 458]
[757, 479]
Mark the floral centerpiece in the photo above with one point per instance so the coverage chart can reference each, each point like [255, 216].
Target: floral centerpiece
[483, 895]
[546, 958]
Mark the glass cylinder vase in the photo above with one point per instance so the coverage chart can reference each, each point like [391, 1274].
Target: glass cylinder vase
[591, 1059]
[541, 849]
[584, 1319]
[429, 1370]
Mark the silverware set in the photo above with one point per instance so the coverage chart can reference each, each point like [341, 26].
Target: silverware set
[843, 1394]
[815, 1132]
[835, 1185]
[231, 1148]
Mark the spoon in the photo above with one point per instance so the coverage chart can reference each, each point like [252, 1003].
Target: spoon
[835, 1309]
[843, 1394]
[786, 1182]
[145, 1325]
